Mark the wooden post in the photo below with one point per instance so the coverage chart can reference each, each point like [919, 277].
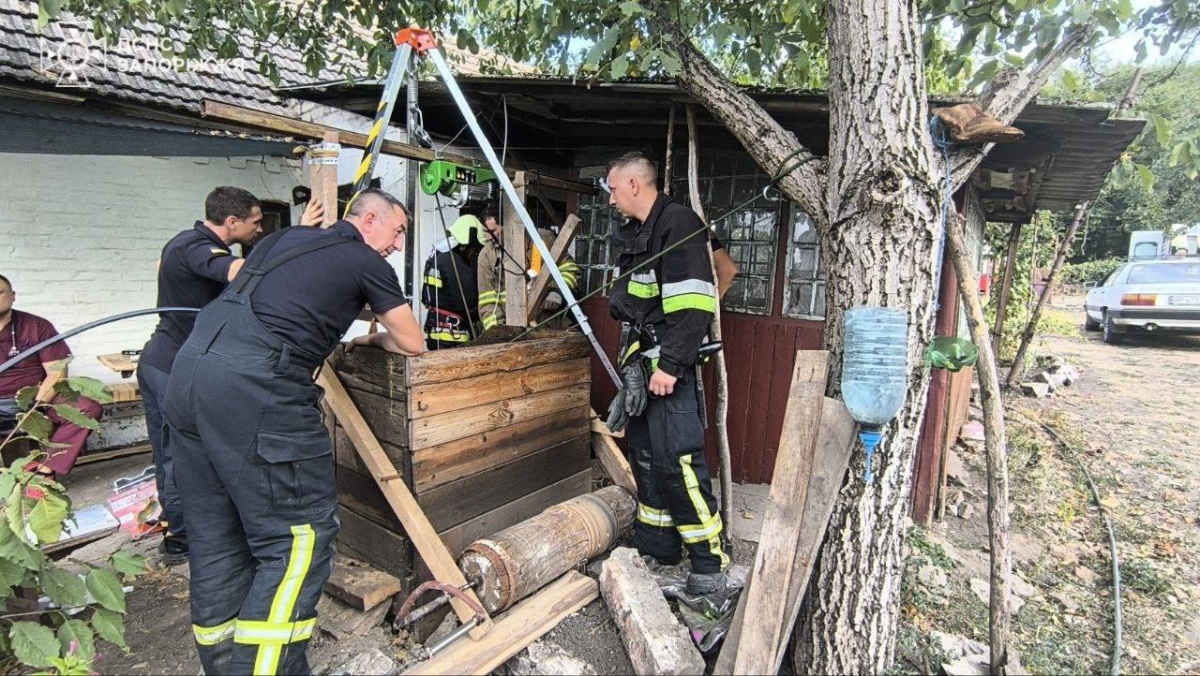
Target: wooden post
[1010, 266]
[516, 311]
[541, 285]
[767, 592]
[668, 161]
[323, 179]
[714, 330]
[610, 456]
[995, 445]
[426, 540]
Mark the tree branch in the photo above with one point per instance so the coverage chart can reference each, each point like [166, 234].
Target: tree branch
[1007, 95]
[773, 148]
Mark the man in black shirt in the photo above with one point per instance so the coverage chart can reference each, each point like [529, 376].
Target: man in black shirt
[246, 431]
[193, 270]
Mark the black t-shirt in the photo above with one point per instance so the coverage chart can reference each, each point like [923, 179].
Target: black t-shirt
[192, 272]
[311, 301]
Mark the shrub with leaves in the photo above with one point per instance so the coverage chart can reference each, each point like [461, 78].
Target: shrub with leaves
[1075, 274]
[85, 605]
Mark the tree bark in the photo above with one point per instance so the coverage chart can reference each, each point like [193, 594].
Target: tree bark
[669, 159]
[714, 330]
[995, 444]
[1018, 365]
[883, 205]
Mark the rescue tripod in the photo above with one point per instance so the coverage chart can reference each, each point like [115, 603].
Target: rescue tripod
[412, 42]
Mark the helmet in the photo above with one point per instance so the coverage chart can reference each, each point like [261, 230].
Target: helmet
[467, 230]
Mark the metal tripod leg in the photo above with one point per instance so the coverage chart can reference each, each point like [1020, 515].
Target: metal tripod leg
[469, 116]
[383, 114]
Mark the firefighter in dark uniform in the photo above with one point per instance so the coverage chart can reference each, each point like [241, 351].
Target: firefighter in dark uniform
[193, 270]
[665, 307]
[246, 431]
[450, 291]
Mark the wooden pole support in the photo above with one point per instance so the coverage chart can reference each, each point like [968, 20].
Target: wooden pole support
[516, 244]
[416, 525]
[324, 176]
[541, 285]
[611, 457]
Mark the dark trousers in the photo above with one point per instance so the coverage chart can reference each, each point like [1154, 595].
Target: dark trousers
[676, 507]
[259, 496]
[152, 383]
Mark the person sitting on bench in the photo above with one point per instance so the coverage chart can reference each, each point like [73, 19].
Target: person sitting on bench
[20, 331]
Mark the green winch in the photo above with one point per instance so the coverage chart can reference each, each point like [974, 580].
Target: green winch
[441, 176]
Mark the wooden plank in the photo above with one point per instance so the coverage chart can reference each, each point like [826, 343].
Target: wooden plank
[323, 177]
[434, 398]
[453, 503]
[516, 242]
[416, 525]
[439, 429]
[541, 285]
[439, 366]
[285, 125]
[835, 446]
[387, 419]
[528, 621]
[611, 458]
[101, 456]
[372, 370]
[343, 621]
[767, 590]
[463, 457]
[359, 585]
[385, 549]
[346, 455]
[489, 523]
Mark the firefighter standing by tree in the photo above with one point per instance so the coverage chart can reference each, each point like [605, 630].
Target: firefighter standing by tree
[244, 425]
[495, 262]
[665, 307]
[450, 292]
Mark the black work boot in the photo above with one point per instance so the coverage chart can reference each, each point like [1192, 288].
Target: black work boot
[174, 550]
[706, 584]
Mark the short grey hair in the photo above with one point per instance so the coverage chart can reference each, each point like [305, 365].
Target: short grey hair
[363, 202]
[638, 161]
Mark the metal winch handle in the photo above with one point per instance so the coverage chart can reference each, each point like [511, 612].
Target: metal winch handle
[407, 615]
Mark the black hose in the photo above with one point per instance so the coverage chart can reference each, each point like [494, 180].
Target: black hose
[87, 327]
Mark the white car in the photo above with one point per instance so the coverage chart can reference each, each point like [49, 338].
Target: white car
[1146, 295]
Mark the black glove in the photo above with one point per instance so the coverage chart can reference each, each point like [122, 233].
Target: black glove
[618, 419]
[636, 392]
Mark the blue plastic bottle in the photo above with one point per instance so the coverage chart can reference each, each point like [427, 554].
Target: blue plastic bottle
[874, 370]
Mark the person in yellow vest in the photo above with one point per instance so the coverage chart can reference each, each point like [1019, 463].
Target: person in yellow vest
[494, 262]
[449, 289]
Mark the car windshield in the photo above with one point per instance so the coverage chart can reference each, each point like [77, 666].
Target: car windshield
[1164, 273]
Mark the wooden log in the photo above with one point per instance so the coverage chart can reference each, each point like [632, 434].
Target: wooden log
[541, 284]
[435, 398]
[519, 627]
[457, 538]
[377, 545]
[439, 429]
[451, 504]
[521, 559]
[767, 590]
[611, 458]
[359, 585]
[516, 243]
[439, 366]
[416, 525]
[654, 639]
[460, 458]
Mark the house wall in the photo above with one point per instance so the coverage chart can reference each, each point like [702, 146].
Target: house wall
[80, 236]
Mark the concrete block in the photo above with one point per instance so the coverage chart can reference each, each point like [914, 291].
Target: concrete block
[656, 641]
[1035, 389]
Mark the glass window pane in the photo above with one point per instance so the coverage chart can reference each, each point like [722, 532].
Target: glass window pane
[819, 301]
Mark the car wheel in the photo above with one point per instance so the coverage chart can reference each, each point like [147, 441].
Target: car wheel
[1112, 335]
[1090, 324]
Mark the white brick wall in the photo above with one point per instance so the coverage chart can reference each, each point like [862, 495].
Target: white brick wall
[80, 236]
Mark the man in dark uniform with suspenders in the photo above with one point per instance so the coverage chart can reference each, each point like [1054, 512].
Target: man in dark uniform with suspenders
[245, 428]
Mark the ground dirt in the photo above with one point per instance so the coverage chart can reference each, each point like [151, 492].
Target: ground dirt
[1130, 420]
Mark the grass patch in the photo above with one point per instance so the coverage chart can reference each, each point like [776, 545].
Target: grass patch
[1142, 576]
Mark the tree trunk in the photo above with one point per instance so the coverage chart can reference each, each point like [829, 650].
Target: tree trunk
[996, 444]
[883, 202]
[1018, 365]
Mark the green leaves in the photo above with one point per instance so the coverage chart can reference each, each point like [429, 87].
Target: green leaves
[602, 47]
[106, 589]
[670, 63]
[90, 387]
[128, 563]
[63, 587]
[33, 644]
[25, 397]
[109, 626]
[46, 517]
[75, 416]
[37, 425]
[1162, 129]
[1146, 175]
[77, 632]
